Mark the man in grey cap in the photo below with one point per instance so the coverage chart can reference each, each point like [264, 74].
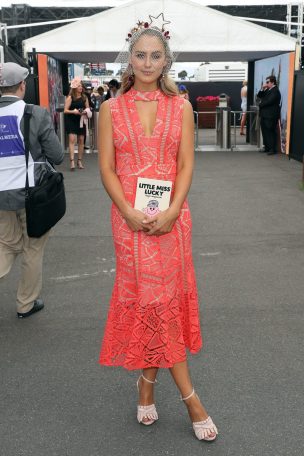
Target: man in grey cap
[11, 74]
[44, 147]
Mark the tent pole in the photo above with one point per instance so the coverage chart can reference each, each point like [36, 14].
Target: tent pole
[36, 76]
[3, 34]
[298, 57]
[250, 97]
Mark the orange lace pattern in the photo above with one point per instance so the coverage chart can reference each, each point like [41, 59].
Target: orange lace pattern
[153, 315]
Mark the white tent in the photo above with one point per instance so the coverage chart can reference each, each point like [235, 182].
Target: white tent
[198, 34]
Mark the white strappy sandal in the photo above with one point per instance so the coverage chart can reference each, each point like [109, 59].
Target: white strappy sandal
[204, 430]
[147, 412]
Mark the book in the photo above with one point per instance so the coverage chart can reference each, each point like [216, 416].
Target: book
[152, 195]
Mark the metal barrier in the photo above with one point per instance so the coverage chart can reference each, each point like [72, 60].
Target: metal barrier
[223, 140]
[223, 129]
[91, 130]
[196, 130]
[62, 134]
[95, 131]
[255, 132]
[251, 123]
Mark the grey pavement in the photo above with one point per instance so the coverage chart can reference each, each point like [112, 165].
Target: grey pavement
[248, 222]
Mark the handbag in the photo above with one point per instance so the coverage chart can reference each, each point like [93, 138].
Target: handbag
[45, 204]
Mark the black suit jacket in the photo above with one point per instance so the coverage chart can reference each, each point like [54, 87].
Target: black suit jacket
[270, 105]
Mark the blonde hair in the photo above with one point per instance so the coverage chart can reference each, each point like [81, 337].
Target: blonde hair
[244, 83]
[165, 82]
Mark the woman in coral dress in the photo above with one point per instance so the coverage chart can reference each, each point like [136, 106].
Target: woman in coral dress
[148, 132]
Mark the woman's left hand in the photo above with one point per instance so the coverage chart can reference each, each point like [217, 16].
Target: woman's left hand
[162, 223]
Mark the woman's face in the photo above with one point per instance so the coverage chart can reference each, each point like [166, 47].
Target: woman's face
[148, 59]
[79, 89]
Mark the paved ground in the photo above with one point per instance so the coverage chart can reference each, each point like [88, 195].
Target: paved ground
[55, 399]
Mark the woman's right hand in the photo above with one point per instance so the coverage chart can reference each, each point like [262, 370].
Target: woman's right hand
[77, 112]
[135, 218]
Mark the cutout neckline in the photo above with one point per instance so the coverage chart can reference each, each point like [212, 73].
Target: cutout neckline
[155, 95]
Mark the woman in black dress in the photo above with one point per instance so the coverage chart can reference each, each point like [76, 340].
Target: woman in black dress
[75, 105]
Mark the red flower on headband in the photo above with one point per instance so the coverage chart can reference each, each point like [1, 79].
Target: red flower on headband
[75, 82]
[155, 22]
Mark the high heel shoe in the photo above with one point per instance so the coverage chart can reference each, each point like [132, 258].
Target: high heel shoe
[79, 164]
[204, 430]
[147, 412]
[72, 164]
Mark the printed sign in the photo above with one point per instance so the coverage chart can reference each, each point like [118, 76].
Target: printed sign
[11, 143]
[12, 152]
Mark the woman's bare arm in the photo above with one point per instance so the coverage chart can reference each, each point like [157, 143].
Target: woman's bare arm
[164, 221]
[185, 159]
[67, 106]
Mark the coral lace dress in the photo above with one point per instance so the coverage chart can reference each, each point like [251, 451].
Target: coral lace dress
[153, 315]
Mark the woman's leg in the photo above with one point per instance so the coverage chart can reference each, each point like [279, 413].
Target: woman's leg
[80, 140]
[72, 149]
[243, 123]
[181, 376]
[146, 389]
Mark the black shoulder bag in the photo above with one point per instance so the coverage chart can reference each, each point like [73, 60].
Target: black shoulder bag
[45, 204]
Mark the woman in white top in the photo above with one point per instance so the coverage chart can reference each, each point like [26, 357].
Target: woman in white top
[243, 106]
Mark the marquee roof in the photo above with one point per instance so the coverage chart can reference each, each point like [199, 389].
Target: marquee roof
[198, 34]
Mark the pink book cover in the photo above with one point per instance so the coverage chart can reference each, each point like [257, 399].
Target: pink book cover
[152, 195]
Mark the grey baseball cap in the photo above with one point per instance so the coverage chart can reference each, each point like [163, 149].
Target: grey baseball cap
[11, 74]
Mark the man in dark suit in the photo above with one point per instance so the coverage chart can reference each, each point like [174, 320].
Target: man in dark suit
[270, 108]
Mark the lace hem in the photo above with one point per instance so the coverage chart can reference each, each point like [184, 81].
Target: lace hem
[155, 337]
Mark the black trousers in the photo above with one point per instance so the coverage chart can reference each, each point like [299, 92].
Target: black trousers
[269, 126]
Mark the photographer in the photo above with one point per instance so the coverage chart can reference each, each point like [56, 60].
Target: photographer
[44, 147]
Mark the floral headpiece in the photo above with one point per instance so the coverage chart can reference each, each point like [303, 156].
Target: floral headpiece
[75, 82]
[157, 22]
